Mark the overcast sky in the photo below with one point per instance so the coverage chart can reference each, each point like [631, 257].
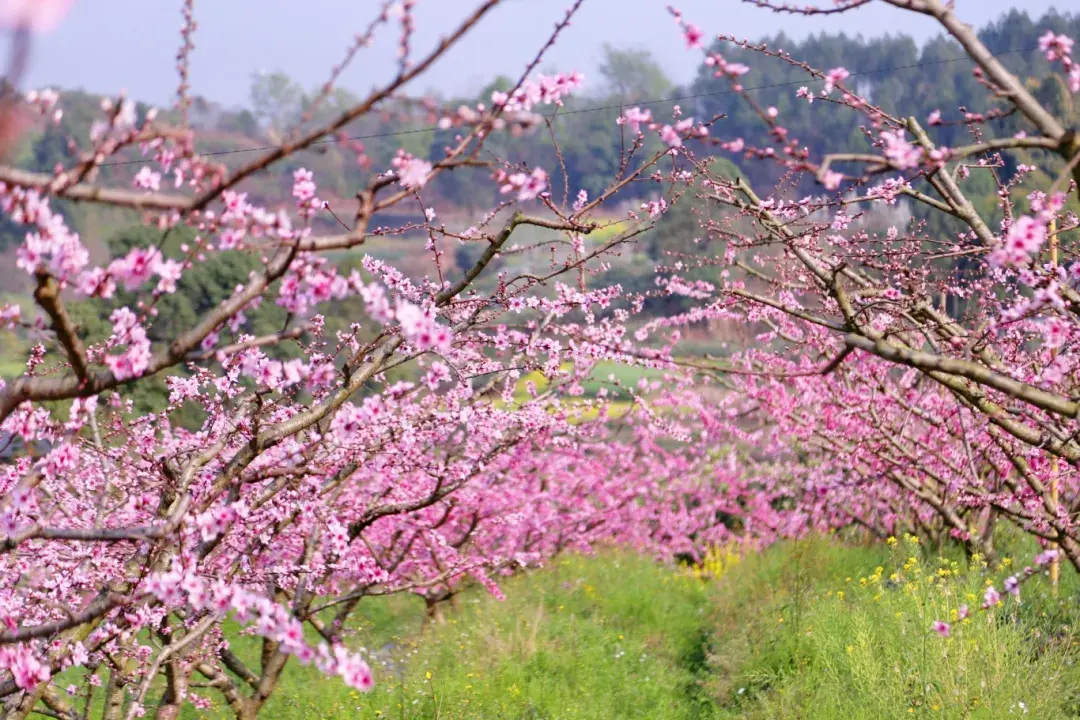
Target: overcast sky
[106, 45]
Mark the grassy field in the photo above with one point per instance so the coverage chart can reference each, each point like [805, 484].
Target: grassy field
[808, 629]
[586, 638]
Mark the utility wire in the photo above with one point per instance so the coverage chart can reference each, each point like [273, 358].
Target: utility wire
[599, 108]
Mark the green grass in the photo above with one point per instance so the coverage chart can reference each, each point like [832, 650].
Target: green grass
[13, 350]
[814, 630]
[810, 629]
[604, 374]
[586, 638]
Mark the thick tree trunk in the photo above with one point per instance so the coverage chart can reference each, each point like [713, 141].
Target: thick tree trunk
[114, 693]
[26, 703]
[273, 663]
[433, 611]
[177, 676]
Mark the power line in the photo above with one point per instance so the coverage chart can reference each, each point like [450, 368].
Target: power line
[599, 108]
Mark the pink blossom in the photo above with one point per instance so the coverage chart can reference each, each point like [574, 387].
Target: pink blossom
[303, 186]
[39, 15]
[79, 656]
[437, 375]
[1023, 240]
[97, 282]
[420, 328]
[670, 136]
[533, 185]
[724, 68]
[147, 179]
[10, 315]
[134, 361]
[414, 173]
[169, 271]
[582, 198]
[10, 524]
[832, 180]
[406, 445]
[53, 245]
[27, 670]
[1056, 332]
[546, 89]
[294, 371]
[655, 208]
[903, 154]
[635, 117]
[136, 267]
[833, 78]
[693, 36]
[1056, 47]
[1046, 557]
[378, 306]
[1026, 235]
[356, 673]
[527, 187]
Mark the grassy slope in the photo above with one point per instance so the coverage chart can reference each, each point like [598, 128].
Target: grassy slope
[586, 638]
[806, 630]
[814, 630]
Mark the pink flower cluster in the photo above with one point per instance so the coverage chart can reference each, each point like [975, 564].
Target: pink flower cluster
[899, 151]
[304, 192]
[1059, 47]
[833, 78]
[216, 521]
[635, 117]
[832, 179]
[420, 328]
[546, 89]
[120, 124]
[273, 374]
[1023, 240]
[24, 666]
[724, 68]
[413, 173]
[672, 135]
[1027, 234]
[45, 101]
[312, 281]
[53, 246]
[655, 208]
[127, 331]
[180, 586]
[147, 179]
[418, 325]
[10, 315]
[132, 270]
[527, 186]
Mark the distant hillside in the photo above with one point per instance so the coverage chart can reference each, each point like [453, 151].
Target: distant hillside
[895, 73]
